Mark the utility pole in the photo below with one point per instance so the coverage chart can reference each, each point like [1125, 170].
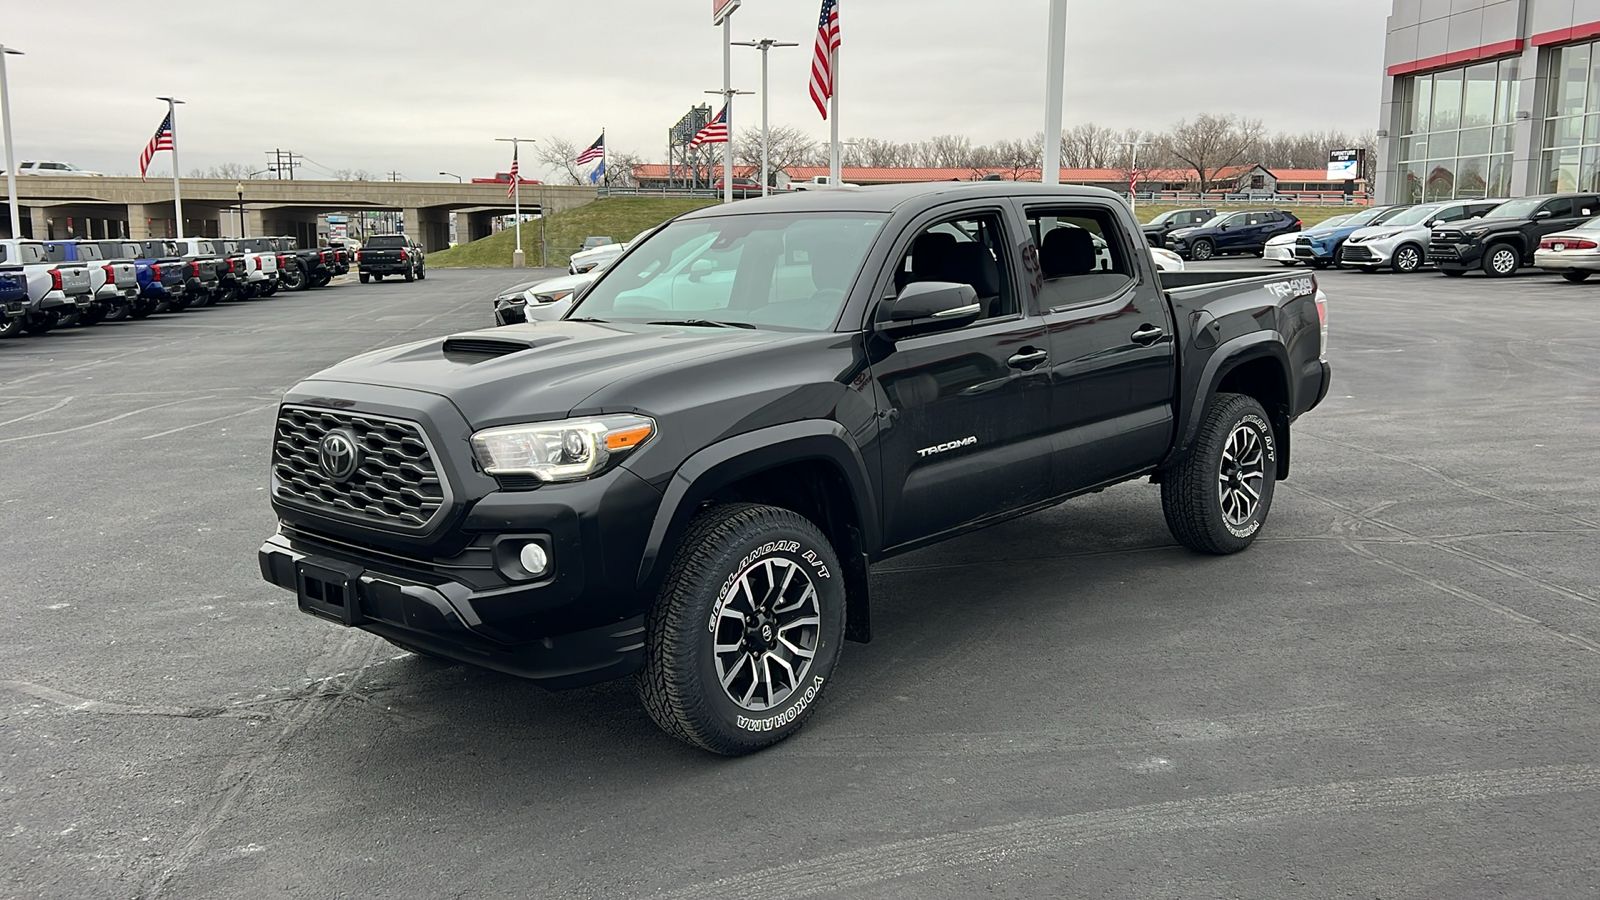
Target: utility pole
[518, 258]
[395, 176]
[11, 162]
[764, 45]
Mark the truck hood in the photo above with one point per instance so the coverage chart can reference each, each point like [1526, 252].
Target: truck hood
[546, 370]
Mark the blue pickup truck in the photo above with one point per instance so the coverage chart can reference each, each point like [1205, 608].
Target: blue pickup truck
[13, 293]
[1321, 247]
[160, 279]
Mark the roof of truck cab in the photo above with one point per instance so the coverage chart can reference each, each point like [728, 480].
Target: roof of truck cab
[888, 198]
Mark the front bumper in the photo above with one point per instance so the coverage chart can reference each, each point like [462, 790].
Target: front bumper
[56, 300]
[13, 308]
[1279, 252]
[1454, 256]
[507, 312]
[446, 619]
[1314, 252]
[1368, 253]
[385, 268]
[111, 293]
[1567, 260]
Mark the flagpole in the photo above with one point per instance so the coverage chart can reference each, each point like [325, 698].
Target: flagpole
[727, 106]
[1055, 76]
[518, 259]
[605, 158]
[177, 200]
[835, 164]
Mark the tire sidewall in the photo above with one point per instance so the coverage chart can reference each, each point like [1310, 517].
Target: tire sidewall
[732, 727]
[1415, 255]
[1231, 538]
[1495, 252]
[1210, 251]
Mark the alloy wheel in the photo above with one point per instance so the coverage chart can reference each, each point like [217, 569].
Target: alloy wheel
[1241, 474]
[1504, 261]
[1408, 259]
[768, 625]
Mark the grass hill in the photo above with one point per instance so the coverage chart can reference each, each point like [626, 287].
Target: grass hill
[619, 217]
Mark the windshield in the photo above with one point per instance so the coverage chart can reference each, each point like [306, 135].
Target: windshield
[1515, 209]
[385, 242]
[1162, 219]
[1367, 217]
[783, 271]
[1414, 215]
[1331, 222]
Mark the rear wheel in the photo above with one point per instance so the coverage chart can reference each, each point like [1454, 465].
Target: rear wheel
[365, 277]
[41, 324]
[1216, 500]
[1501, 260]
[293, 278]
[1575, 275]
[377, 276]
[1407, 259]
[140, 309]
[746, 630]
[411, 275]
[117, 312]
[1202, 250]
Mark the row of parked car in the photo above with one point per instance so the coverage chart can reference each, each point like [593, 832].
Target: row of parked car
[1554, 232]
[52, 284]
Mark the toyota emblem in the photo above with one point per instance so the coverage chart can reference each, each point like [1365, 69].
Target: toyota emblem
[336, 453]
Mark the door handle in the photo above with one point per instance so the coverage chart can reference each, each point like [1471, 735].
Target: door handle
[1147, 334]
[1028, 358]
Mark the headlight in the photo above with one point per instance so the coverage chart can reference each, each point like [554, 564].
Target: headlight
[553, 296]
[1475, 232]
[567, 450]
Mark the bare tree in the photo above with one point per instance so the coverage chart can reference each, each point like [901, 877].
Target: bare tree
[1020, 156]
[352, 175]
[875, 153]
[947, 151]
[1212, 143]
[788, 146]
[559, 155]
[1088, 146]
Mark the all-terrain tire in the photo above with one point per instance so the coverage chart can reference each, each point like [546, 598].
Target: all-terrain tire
[1217, 499]
[708, 628]
[1501, 260]
[1575, 275]
[11, 326]
[411, 275]
[365, 277]
[1202, 250]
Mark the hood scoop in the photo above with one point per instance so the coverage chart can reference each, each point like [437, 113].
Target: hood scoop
[472, 347]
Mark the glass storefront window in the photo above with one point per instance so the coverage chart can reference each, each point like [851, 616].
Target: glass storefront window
[1571, 145]
[1457, 126]
[1571, 73]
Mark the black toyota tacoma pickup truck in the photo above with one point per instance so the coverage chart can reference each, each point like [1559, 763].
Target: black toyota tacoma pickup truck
[1504, 239]
[687, 478]
[390, 254]
[299, 269]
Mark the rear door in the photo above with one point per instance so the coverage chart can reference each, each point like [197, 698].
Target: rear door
[1113, 378]
[1564, 213]
[966, 412]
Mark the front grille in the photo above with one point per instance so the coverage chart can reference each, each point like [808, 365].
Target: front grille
[1358, 253]
[395, 482]
[1442, 250]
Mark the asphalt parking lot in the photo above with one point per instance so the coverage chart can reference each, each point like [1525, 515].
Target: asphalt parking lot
[1392, 694]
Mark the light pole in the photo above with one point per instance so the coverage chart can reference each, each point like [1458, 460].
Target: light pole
[11, 162]
[518, 259]
[764, 45]
[1055, 75]
[239, 188]
[1133, 166]
[458, 178]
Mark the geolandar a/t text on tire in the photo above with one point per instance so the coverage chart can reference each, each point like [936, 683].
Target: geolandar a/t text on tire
[687, 479]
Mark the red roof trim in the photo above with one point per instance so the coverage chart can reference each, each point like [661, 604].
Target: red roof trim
[1563, 35]
[1476, 54]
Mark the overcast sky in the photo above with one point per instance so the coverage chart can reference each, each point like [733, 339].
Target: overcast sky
[421, 87]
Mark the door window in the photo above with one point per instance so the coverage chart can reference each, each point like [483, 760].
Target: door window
[1081, 255]
[968, 250]
[1559, 208]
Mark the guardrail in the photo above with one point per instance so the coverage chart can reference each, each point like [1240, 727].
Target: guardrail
[1313, 198]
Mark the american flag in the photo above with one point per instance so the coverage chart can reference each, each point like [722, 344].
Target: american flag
[822, 59]
[162, 141]
[513, 188]
[597, 150]
[715, 132]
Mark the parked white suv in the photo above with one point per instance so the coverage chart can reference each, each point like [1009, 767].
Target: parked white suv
[1401, 241]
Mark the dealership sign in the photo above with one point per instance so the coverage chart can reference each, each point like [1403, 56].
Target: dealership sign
[1344, 165]
[721, 9]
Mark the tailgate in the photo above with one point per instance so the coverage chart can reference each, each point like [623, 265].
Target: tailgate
[13, 286]
[75, 280]
[127, 275]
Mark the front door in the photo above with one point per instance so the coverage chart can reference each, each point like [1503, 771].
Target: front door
[1234, 232]
[1111, 346]
[965, 412]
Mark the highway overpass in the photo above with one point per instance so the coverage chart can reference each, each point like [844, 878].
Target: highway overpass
[56, 208]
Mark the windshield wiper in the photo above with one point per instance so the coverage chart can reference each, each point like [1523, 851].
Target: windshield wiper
[704, 323]
[586, 319]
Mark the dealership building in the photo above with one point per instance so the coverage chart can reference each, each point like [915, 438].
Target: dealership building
[1489, 98]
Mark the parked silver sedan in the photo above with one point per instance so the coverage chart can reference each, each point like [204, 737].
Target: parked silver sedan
[1574, 253]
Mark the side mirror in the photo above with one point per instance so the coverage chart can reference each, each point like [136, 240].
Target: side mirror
[1223, 227]
[1543, 214]
[925, 307]
[700, 268]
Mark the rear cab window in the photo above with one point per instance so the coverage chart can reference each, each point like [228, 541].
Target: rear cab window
[1082, 255]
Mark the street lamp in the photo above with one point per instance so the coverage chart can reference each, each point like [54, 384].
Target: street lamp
[458, 178]
[11, 162]
[519, 259]
[764, 45]
[239, 188]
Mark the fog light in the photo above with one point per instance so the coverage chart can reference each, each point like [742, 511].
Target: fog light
[534, 558]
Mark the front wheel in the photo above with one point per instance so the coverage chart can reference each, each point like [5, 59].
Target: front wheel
[1203, 250]
[1575, 275]
[1406, 260]
[746, 629]
[1216, 500]
[1501, 260]
[422, 273]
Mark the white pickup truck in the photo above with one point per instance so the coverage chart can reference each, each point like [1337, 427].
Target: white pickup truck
[55, 290]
